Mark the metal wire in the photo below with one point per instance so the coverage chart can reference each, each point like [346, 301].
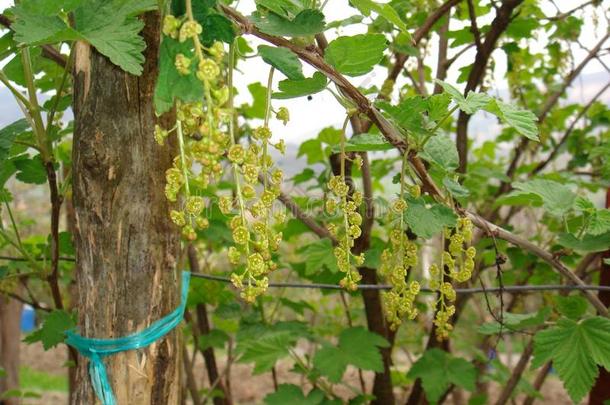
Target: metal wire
[474, 290]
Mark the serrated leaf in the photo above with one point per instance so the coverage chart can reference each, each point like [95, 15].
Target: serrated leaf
[307, 22]
[285, 8]
[557, 198]
[31, 171]
[437, 370]
[523, 121]
[216, 27]
[299, 88]
[356, 55]
[53, 329]
[441, 150]
[110, 26]
[357, 346]
[264, 349]
[8, 135]
[599, 222]
[282, 59]
[427, 221]
[456, 189]
[572, 306]
[171, 85]
[408, 114]
[576, 349]
[319, 254]
[587, 243]
[470, 104]
[384, 10]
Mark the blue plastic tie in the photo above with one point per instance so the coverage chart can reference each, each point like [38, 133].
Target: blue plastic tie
[96, 349]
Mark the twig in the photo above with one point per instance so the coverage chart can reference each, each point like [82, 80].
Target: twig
[565, 136]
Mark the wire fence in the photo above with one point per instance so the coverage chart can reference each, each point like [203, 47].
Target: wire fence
[473, 290]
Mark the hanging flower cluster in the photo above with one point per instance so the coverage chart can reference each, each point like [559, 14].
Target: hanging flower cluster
[206, 137]
[255, 240]
[396, 262]
[349, 230]
[457, 264]
[253, 233]
[200, 128]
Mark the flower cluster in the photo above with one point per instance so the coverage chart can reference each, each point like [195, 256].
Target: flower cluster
[255, 240]
[350, 229]
[396, 262]
[457, 264]
[201, 128]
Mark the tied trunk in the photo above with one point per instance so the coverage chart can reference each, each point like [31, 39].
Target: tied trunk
[126, 245]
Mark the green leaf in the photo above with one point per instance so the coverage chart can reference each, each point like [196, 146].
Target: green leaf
[456, 189]
[282, 59]
[292, 394]
[576, 349]
[259, 94]
[307, 22]
[557, 198]
[215, 338]
[284, 8]
[216, 27]
[572, 306]
[588, 243]
[357, 346]
[409, 114]
[109, 26]
[438, 370]
[384, 10]
[266, 350]
[298, 88]
[356, 55]
[428, 220]
[365, 143]
[8, 135]
[599, 222]
[438, 106]
[31, 171]
[171, 85]
[470, 104]
[312, 149]
[441, 150]
[516, 322]
[53, 329]
[523, 121]
[319, 254]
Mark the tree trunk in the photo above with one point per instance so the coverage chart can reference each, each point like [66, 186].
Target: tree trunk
[601, 390]
[10, 339]
[126, 246]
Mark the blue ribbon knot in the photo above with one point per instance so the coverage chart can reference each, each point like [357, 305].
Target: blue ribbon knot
[96, 349]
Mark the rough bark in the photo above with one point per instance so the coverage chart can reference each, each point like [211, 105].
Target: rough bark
[10, 340]
[126, 246]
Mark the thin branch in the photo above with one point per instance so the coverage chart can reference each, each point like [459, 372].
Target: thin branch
[474, 29]
[548, 105]
[568, 132]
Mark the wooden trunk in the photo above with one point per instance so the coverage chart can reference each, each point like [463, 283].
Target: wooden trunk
[126, 246]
